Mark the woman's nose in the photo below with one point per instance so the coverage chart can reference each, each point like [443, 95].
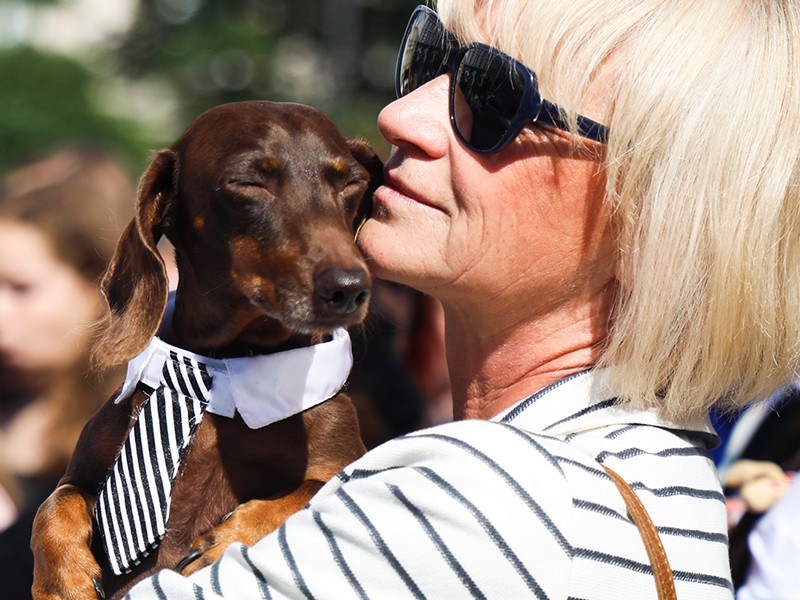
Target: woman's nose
[420, 119]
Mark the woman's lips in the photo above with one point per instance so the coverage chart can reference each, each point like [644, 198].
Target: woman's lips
[393, 192]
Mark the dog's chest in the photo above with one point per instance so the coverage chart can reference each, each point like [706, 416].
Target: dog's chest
[252, 463]
[228, 464]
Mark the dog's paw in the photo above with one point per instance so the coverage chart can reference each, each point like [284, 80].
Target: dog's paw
[237, 526]
[64, 567]
[205, 551]
[68, 582]
[73, 577]
[247, 524]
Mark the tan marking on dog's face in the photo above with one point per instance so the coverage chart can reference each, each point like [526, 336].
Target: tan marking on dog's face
[340, 165]
[271, 276]
[199, 222]
[270, 164]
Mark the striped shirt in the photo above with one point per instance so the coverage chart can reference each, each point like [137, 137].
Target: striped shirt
[515, 507]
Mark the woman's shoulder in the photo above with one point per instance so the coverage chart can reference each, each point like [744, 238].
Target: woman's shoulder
[640, 453]
[500, 443]
[472, 456]
[472, 440]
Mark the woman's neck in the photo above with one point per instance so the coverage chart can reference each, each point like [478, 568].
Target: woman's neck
[495, 360]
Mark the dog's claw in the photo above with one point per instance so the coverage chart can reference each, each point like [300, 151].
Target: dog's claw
[98, 588]
[188, 559]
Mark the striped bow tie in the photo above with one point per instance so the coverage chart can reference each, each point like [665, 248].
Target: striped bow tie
[133, 507]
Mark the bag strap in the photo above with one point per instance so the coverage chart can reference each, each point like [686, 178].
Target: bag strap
[665, 584]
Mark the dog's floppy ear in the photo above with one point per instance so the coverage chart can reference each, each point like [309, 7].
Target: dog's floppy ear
[365, 154]
[135, 283]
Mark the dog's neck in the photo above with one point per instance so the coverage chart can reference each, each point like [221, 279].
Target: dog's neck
[238, 348]
[242, 335]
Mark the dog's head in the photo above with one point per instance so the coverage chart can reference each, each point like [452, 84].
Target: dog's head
[262, 202]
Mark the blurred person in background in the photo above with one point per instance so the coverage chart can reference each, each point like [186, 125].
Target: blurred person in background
[773, 570]
[757, 468]
[60, 218]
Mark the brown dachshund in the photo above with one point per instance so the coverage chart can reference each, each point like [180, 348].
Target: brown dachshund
[261, 202]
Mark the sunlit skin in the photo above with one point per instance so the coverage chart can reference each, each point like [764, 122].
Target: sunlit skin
[46, 307]
[517, 246]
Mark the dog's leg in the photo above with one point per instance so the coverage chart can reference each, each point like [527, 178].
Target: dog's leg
[247, 524]
[61, 540]
[64, 567]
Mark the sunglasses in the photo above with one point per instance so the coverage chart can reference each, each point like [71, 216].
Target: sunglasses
[492, 96]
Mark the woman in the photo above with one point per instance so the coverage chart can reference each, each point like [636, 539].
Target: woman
[608, 270]
[59, 222]
[60, 218]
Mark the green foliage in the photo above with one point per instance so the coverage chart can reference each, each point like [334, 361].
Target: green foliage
[45, 104]
[336, 55]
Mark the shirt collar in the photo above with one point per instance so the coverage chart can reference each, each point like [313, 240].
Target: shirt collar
[586, 401]
[263, 389]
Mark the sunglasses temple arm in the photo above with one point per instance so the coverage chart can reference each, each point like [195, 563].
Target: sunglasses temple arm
[554, 116]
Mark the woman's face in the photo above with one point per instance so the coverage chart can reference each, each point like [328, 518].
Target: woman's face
[45, 305]
[527, 223]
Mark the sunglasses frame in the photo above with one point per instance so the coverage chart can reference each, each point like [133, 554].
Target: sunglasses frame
[532, 107]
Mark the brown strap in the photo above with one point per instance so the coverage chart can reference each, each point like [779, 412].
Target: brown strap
[665, 584]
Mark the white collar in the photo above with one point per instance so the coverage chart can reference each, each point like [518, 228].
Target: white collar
[263, 389]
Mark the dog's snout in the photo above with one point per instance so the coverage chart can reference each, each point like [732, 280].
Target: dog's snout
[342, 291]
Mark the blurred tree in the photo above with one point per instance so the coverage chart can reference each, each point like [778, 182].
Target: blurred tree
[45, 103]
[180, 57]
[337, 55]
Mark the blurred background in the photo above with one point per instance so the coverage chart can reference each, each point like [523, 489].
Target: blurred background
[128, 75]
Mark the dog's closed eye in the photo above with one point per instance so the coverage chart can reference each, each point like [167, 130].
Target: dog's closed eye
[250, 171]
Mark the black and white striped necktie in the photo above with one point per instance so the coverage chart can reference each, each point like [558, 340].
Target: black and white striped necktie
[132, 509]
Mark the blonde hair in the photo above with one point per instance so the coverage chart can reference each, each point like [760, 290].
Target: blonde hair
[702, 171]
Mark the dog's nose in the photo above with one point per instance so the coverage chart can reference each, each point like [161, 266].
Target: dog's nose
[342, 291]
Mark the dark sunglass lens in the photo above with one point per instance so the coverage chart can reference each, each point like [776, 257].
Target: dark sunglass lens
[423, 53]
[488, 93]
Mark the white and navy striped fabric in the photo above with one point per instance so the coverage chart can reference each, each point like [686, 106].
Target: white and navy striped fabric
[132, 509]
[516, 507]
